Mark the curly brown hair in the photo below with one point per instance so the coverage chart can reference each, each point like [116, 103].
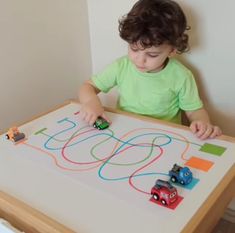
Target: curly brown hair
[154, 22]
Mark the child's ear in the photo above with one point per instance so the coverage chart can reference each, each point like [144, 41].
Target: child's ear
[173, 52]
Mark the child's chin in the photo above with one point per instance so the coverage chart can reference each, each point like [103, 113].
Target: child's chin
[141, 69]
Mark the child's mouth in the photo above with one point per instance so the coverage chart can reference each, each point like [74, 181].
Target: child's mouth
[140, 68]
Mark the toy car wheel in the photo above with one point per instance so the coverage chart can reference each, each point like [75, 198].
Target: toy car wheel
[7, 137]
[155, 197]
[173, 179]
[163, 202]
[182, 182]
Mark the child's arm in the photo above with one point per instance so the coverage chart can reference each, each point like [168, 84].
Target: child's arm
[201, 125]
[91, 105]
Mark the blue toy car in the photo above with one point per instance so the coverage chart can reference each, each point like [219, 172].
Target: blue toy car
[179, 174]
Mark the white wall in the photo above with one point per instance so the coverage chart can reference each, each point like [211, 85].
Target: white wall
[212, 56]
[44, 55]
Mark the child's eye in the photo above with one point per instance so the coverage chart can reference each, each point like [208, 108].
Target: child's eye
[134, 49]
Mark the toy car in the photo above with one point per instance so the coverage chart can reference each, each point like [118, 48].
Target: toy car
[182, 175]
[14, 135]
[101, 123]
[164, 192]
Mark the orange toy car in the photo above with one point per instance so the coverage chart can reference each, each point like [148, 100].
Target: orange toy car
[14, 135]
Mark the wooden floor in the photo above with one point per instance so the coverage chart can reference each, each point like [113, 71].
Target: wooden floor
[224, 226]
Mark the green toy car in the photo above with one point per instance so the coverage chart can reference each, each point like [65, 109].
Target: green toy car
[101, 123]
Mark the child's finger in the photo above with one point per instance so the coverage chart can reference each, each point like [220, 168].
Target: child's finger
[216, 132]
[201, 129]
[92, 119]
[106, 118]
[83, 115]
[207, 133]
[193, 127]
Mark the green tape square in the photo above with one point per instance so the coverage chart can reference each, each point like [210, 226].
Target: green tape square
[213, 149]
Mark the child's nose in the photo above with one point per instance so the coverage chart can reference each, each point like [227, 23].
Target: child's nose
[140, 59]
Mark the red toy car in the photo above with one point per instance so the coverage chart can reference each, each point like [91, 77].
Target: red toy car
[164, 192]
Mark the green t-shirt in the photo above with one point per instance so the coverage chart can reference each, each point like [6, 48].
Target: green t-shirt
[161, 95]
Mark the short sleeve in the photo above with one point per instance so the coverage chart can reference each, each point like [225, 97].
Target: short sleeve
[189, 99]
[106, 79]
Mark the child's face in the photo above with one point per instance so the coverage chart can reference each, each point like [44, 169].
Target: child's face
[150, 59]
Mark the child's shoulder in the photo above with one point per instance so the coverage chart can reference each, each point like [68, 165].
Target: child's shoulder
[121, 63]
[179, 74]
[124, 60]
[176, 66]
[117, 66]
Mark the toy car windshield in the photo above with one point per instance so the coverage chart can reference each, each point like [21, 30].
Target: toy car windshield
[162, 183]
[101, 123]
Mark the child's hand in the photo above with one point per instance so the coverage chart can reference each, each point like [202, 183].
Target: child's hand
[204, 130]
[91, 110]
